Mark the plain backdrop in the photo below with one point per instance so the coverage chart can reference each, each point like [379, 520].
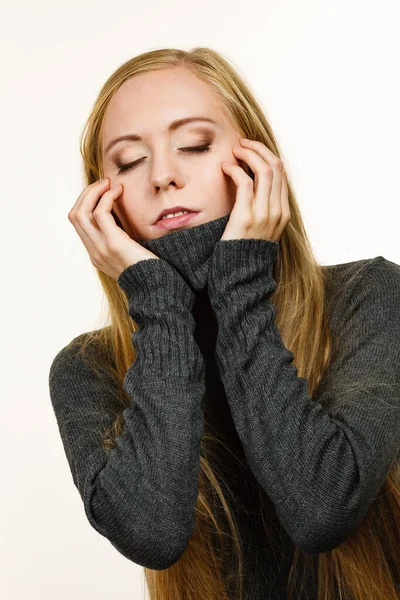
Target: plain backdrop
[326, 74]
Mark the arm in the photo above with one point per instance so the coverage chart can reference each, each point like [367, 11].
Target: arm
[141, 494]
[321, 464]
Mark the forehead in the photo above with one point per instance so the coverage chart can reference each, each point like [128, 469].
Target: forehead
[147, 103]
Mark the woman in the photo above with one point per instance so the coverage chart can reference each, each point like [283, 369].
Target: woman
[235, 429]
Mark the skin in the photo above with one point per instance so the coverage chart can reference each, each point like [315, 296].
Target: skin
[166, 177]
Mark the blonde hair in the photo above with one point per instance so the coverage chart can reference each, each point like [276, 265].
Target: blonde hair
[364, 565]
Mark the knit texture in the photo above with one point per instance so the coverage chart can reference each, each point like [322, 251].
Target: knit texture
[210, 357]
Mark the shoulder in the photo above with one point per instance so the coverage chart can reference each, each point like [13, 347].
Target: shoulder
[79, 352]
[385, 270]
[83, 372]
[353, 270]
[372, 282]
[378, 264]
[72, 349]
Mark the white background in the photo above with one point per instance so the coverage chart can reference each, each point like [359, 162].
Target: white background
[326, 74]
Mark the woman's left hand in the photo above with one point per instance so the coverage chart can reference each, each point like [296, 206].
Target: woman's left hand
[261, 208]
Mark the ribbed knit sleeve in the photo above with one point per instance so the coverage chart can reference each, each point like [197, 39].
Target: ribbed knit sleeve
[322, 461]
[140, 495]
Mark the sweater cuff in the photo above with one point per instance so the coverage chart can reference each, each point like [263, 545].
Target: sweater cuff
[155, 283]
[160, 302]
[240, 267]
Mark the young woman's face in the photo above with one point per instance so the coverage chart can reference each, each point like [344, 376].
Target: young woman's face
[165, 176]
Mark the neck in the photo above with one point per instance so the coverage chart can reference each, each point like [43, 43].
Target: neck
[189, 250]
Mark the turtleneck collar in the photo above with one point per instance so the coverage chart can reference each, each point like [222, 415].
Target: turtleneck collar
[189, 250]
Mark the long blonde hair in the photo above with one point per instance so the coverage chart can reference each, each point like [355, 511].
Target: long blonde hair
[365, 566]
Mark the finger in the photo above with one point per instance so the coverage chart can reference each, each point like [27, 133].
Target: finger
[266, 182]
[260, 148]
[102, 213]
[81, 216]
[266, 154]
[244, 191]
[89, 197]
[92, 238]
[271, 208]
[285, 201]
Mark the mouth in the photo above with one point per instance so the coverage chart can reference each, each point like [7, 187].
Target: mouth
[175, 222]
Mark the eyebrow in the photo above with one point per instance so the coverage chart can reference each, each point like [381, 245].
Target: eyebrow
[133, 137]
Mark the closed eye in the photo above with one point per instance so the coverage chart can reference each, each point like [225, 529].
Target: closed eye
[190, 150]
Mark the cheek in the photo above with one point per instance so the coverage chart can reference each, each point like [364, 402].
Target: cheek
[210, 173]
[126, 213]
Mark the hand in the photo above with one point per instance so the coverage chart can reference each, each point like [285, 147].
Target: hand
[110, 248]
[261, 209]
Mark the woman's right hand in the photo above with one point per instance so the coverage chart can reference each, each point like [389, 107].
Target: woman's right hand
[110, 248]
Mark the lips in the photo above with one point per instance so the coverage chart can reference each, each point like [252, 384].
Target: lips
[171, 210]
[176, 222]
[186, 212]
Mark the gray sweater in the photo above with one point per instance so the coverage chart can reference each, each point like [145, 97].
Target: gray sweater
[210, 358]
